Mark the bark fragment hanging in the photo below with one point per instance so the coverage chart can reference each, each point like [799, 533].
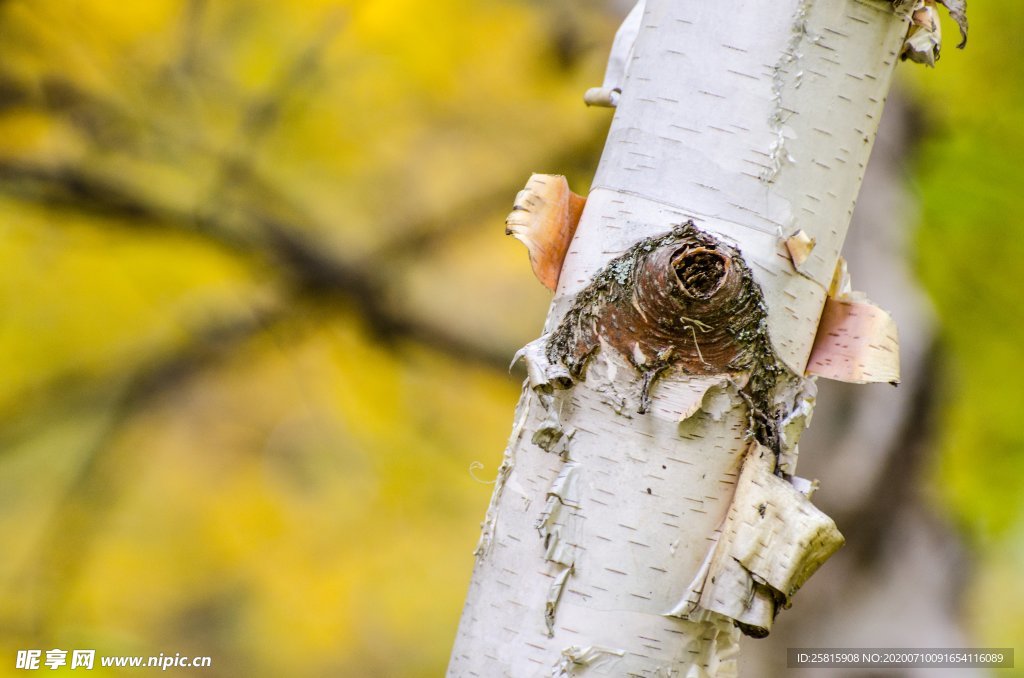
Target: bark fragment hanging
[924, 38]
[683, 300]
[772, 541]
[544, 218]
[958, 13]
[857, 342]
[608, 94]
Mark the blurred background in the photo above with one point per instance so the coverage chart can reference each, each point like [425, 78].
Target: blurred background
[257, 312]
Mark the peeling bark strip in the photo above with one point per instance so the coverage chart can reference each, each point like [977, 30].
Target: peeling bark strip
[575, 660]
[607, 95]
[544, 218]
[772, 541]
[857, 342]
[958, 12]
[799, 245]
[619, 544]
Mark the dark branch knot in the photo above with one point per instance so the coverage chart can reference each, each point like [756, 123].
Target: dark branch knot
[682, 301]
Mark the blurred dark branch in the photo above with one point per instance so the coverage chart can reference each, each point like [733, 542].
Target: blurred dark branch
[308, 270]
[265, 112]
[70, 395]
[191, 24]
[101, 119]
[572, 159]
[107, 469]
[318, 276]
[69, 188]
[12, 93]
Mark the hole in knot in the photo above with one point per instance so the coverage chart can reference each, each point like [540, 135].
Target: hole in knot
[701, 271]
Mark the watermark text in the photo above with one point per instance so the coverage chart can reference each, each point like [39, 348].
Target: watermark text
[56, 658]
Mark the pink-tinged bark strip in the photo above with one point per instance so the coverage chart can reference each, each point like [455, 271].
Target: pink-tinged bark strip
[857, 342]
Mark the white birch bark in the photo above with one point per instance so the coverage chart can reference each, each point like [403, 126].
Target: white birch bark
[755, 120]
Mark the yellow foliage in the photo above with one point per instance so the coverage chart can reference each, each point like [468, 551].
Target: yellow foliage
[255, 304]
[92, 296]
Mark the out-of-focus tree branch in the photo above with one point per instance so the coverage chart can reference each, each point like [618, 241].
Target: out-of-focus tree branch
[309, 278]
[241, 212]
[313, 273]
[869, 524]
[106, 470]
[431, 233]
[96, 116]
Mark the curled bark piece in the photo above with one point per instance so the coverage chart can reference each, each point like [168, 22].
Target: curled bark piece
[602, 97]
[799, 245]
[559, 524]
[553, 439]
[958, 12]
[780, 536]
[544, 218]
[543, 375]
[710, 396]
[841, 285]
[554, 595]
[857, 342]
[618, 61]
[772, 541]
[731, 591]
[924, 39]
[717, 401]
[551, 436]
[804, 486]
[681, 300]
[794, 422]
[697, 391]
[576, 659]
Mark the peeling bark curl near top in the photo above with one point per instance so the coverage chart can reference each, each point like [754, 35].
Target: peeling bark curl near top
[544, 218]
[924, 38]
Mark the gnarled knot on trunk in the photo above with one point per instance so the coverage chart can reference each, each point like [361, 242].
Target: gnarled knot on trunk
[700, 271]
[682, 300]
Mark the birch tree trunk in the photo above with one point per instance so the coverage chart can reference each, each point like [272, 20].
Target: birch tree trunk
[647, 509]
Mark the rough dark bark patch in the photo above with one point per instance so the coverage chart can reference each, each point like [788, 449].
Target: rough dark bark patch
[681, 300]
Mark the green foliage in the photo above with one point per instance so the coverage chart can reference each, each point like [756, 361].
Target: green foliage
[971, 253]
[971, 258]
